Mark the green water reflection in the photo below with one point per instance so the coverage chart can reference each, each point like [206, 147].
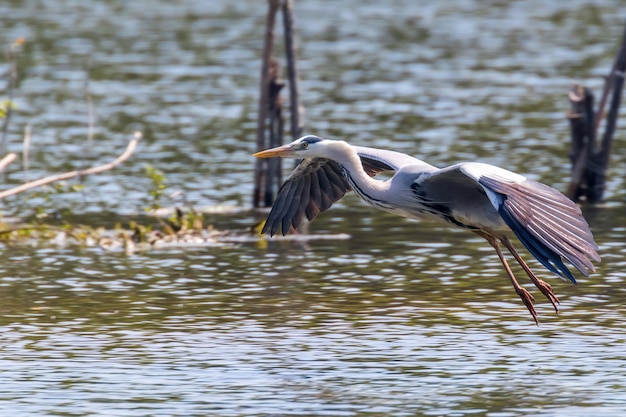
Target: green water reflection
[418, 319]
[402, 318]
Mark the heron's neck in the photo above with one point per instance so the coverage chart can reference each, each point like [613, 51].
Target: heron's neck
[366, 187]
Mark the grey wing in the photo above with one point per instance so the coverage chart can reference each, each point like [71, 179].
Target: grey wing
[549, 224]
[455, 197]
[315, 184]
[312, 187]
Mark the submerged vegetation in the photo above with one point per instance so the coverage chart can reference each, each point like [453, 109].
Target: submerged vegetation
[158, 227]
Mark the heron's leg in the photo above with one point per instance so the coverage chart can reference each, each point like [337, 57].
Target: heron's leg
[543, 286]
[523, 293]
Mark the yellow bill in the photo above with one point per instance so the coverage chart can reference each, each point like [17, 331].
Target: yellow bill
[283, 151]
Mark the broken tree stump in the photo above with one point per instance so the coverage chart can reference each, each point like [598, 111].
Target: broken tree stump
[270, 123]
[590, 159]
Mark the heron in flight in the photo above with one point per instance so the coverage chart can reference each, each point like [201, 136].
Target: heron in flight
[481, 198]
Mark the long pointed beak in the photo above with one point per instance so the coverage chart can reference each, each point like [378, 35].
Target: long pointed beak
[285, 150]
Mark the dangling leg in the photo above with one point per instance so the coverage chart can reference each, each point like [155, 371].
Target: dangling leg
[543, 286]
[523, 293]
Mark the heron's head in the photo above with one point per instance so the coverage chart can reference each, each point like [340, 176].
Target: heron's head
[305, 147]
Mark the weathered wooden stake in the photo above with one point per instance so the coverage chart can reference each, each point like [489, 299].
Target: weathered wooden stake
[602, 158]
[582, 145]
[260, 168]
[276, 133]
[294, 87]
[589, 161]
[270, 124]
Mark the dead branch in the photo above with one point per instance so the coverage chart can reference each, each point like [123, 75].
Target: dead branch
[89, 102]
[132, 145]
[25, 149]
[602, 156]
[268, 173]
[260, 167]
[276, 132]
[590, 160]
[8, 159]
[582, 144]
[292, 68]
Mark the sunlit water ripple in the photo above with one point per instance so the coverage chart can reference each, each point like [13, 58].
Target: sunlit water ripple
[389, 317]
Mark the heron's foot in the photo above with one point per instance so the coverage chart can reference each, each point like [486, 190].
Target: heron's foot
[546, 289]
[528, 300]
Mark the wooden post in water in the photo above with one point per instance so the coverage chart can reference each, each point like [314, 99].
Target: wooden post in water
[261, 167]
[276, 132]
[294, 88]
[590, 161]
[270, 124]
[582, 145]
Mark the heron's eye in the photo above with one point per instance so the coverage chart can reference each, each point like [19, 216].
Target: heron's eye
[305, 145]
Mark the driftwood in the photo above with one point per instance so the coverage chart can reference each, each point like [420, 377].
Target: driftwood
[590, 160]
[276, 132]
[582, 144]
[132, 145]
[270, 124]
[7, 159]
[294, 85]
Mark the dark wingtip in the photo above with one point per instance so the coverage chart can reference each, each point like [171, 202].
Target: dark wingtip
[263, 229]
[547, 257]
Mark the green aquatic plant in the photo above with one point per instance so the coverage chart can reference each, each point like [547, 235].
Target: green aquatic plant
[157, 187]
[5, 107]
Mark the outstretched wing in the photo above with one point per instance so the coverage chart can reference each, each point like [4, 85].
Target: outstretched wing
[549, 225]
[315, 184]
[312, 187]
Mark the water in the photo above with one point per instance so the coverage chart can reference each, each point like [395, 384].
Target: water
[373, 315]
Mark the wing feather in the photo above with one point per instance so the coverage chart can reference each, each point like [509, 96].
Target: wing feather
[312, 187]
[313, 208]
[327, 190]
[289, 216]
[548, 223]
[305, 201]
[280, 207]
[338, 182]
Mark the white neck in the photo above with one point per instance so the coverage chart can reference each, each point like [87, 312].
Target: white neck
[369, 189]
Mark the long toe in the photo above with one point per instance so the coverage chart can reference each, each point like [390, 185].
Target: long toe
[546, 290]
[528, 300]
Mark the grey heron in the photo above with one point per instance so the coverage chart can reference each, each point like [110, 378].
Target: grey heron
[481, 198]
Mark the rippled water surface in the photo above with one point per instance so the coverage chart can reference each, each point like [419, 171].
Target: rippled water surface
[372, 316]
